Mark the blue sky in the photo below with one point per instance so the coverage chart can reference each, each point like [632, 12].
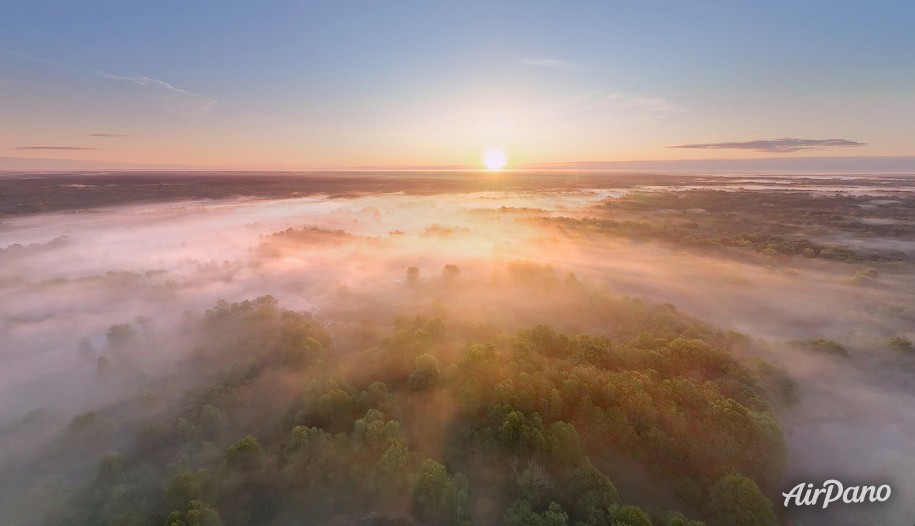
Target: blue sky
[375, 82]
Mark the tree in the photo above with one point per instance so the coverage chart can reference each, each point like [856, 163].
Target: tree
[545, 340]
[333, 405]
[450, 273]
[306, 352]
[735, 500]
[900, 344]
[187, 487]
[565, 443]
[198, 513]
[244, 454]
[304, 438]
[521, 433]
[119, 335]
[630, 516]
[373, 434]
[592, 492]
[436, 329]
[440, 498]
[425, 373]
[111, 466]
[389, 480]
[675, 518]
[521, 513]
[554, 516]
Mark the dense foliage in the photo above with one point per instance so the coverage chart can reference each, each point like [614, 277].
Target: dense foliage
[768, 223]
[274, 420]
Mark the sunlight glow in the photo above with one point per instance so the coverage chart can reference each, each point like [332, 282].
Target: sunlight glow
[494, 159]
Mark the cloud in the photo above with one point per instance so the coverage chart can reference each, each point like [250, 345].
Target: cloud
[112, 135]
[785, 145]
[69, 148]
[547, 62]
[30, 58]
[648, 104]
[206, 103]
[603, 106]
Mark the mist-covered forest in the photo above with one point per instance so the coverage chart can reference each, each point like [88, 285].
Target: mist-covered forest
[550, 353]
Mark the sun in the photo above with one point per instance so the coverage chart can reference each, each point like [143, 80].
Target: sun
[494, 159]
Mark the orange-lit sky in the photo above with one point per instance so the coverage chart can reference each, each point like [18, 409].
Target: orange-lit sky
[299, 85]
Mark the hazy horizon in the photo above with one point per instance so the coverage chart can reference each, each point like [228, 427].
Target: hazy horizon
[756, 165]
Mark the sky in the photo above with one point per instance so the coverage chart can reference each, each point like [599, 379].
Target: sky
[387, 83]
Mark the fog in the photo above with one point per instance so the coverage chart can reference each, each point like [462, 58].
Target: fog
[71, 275]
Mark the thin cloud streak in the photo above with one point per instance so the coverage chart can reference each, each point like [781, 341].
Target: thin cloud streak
[612, 106]
[68, 148]
[207, 102]
[784, 145]
[547, 62]
[30, 58]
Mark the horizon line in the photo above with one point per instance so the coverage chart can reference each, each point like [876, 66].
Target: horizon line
[603, 165]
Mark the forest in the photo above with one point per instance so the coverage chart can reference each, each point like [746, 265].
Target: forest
[573, 354]
[768, 224]
[432, 422]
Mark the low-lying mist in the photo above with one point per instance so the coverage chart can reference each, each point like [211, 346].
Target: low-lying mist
[476, 258]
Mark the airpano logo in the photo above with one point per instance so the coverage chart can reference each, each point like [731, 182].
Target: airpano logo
[834, 491]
